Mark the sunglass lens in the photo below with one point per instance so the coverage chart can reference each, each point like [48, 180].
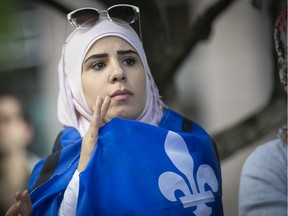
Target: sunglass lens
[84, 18]
[122, 14]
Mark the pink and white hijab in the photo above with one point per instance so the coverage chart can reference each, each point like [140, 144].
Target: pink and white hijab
[72, 107]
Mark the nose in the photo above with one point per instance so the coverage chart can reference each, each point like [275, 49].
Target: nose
[117, 74]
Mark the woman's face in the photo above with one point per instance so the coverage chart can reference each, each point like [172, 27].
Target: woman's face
[113, 68]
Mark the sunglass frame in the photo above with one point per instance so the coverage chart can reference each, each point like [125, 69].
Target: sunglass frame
[72, 22]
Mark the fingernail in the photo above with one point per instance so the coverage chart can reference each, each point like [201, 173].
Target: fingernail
[97, 98]
[107, 98]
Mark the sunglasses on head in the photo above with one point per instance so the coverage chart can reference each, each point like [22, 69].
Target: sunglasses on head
[121, 14]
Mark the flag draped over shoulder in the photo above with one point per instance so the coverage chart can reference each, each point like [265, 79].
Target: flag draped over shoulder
[140, 169]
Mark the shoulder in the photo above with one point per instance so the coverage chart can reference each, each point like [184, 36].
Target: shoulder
[266, 167]
[65, 137]
[263, 180]
[178, 123]
[64, 152]
[270, 155]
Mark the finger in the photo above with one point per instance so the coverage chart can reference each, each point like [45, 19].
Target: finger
[105, 107]
[13, 210]
[90, 138]
[95, 123]
[17, 195]
[28, 202]
[92, 132]
[23, 208]
[107, 119]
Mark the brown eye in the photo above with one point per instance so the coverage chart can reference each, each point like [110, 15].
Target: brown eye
[129, 61]
[98, 66]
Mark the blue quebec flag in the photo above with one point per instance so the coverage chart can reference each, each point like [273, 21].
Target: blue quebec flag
[139, 169]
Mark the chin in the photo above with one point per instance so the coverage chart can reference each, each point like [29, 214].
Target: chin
[123, 114]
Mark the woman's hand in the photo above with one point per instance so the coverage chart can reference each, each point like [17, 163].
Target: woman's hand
[23, 207]
[90, 138]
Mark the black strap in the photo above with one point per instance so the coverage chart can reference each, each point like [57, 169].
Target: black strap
[187, 125]
[216, 150]
[50, 164]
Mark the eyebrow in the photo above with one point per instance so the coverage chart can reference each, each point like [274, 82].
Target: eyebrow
[123, 52]
[95, 56]
[105, 55]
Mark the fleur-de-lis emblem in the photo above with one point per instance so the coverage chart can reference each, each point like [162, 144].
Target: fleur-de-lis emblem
[170, 182]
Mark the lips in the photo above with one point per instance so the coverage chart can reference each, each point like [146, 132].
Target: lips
[121, 94]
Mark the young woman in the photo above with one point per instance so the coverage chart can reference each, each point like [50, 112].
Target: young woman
[122, 151]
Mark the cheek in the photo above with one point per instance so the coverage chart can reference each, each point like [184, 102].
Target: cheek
[90, 91]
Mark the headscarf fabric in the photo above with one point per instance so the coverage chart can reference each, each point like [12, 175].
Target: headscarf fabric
[280, 40]
[72, 107]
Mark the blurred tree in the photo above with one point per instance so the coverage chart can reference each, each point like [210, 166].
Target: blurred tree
[270, 117]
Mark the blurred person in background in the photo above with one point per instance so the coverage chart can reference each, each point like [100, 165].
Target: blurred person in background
[16, 133]
[263, 183]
